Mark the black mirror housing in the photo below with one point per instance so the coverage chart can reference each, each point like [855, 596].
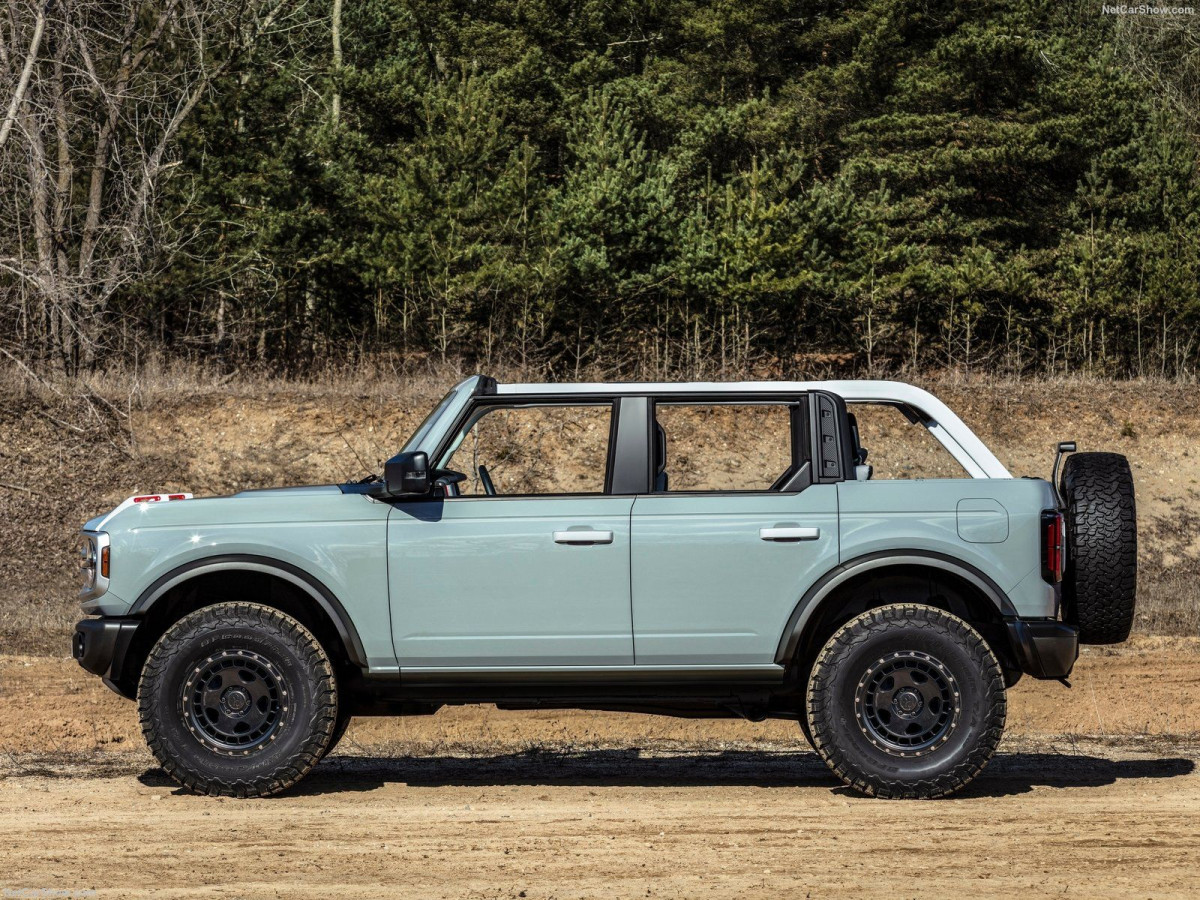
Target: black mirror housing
[407, 474]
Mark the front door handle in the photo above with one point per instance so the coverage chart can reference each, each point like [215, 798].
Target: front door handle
[583, 537]
[789, 534]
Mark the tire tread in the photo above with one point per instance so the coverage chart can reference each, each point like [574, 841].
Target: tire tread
[1100, 584]
[859, 631]
[322, 716]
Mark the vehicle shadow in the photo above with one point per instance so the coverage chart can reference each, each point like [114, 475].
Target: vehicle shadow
[1007, 774]
[1019, 773]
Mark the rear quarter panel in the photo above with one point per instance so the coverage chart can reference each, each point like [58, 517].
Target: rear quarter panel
[992, 524]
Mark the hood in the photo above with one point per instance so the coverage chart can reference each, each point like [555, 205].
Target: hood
[300, 489]
[285, 504]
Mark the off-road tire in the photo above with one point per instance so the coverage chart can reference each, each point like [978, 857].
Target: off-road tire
[339, 731]
[804, 729]
[231, 639]
[1100, 579]
[906, 635]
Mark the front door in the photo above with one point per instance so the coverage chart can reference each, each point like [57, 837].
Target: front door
[526, 563]
[732, 535]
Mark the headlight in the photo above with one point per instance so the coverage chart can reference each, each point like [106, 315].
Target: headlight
[87, 562]
[94, 562]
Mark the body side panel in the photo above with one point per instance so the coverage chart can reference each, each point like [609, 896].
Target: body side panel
[924, 515]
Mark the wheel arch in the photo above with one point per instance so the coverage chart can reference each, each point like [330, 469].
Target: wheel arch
[852, 588]
[289, 588]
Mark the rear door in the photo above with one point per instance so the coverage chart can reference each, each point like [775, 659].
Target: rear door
[733, 533]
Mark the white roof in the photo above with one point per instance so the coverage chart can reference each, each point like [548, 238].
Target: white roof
[895, 391]
[943, 424]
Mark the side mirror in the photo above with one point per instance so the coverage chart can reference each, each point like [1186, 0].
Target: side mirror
[407, 474]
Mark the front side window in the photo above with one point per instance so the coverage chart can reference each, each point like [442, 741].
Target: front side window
[701, 447]
[530, 450]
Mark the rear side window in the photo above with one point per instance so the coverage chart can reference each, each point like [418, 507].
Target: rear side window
[897, 448]
[705, 447]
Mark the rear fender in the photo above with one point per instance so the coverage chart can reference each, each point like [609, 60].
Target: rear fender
[828, 584]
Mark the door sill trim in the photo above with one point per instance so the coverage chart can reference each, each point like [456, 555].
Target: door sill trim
[767, 673]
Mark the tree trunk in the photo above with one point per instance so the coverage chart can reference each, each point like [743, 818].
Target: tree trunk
[336, 29]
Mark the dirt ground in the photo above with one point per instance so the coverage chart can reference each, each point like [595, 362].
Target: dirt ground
[1096, 793]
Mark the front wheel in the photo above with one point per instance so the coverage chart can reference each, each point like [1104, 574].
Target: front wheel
[238, 699]
[339, 731]
[906, 701]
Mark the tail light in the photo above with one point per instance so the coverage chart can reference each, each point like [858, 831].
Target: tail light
[1053, 535]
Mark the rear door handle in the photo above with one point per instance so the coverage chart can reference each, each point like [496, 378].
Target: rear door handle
[583, 537]
[789, 534]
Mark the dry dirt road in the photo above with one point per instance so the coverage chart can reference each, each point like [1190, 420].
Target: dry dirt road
[1096, 793]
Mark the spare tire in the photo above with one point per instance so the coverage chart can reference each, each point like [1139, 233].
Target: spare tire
[1100, 579]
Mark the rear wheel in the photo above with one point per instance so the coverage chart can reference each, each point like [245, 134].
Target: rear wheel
[906, 701]
[239, 700]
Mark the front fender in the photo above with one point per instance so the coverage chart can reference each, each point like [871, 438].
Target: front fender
[314, 588]
[319, 537]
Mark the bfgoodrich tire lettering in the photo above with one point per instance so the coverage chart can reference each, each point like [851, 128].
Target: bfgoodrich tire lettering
[953, 694]
[293, 689]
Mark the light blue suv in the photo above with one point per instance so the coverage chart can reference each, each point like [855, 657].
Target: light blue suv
[678, 549]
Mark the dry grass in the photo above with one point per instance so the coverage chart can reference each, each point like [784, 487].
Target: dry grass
[71, 451]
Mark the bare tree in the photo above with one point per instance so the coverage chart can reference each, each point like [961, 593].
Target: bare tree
[1165, 51]
[335, 32]
[95, 93]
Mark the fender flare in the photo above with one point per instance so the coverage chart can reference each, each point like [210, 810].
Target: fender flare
[246, 562]
[884, 559]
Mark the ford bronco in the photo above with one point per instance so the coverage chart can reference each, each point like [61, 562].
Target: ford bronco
[680, 549]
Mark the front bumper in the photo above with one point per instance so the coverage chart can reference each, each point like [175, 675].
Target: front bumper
[1045, 648]
[100, 646]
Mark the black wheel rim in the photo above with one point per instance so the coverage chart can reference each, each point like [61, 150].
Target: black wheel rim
[907, 703]
[235, 702]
